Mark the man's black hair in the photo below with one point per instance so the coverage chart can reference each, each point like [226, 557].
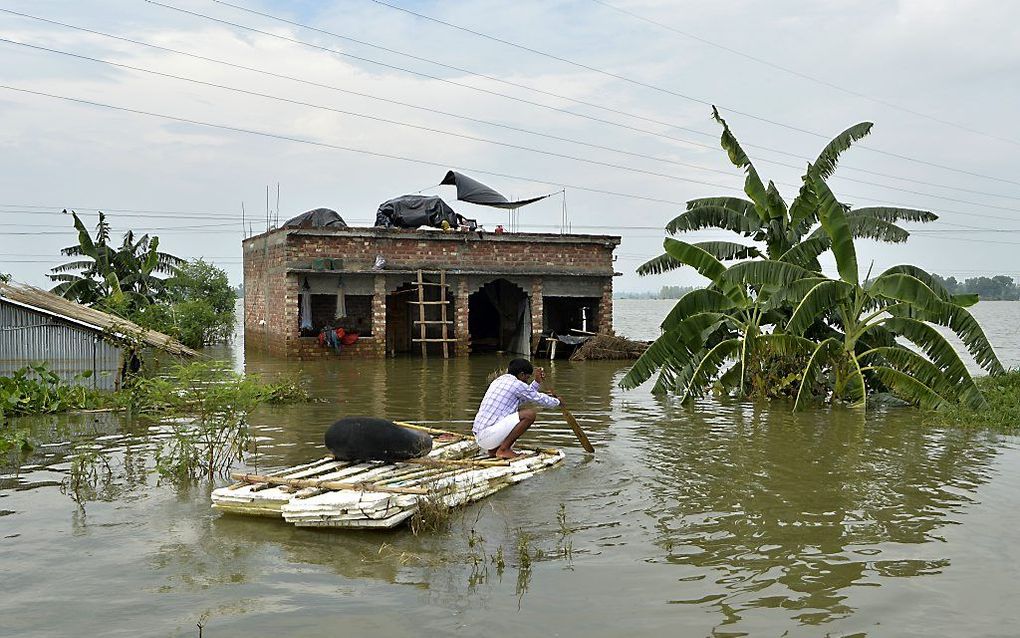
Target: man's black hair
[520, 366]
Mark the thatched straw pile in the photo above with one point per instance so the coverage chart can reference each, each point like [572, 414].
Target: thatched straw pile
[603, 346]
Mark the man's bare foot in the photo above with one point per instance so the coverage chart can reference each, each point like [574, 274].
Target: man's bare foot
[506, 454]
[492, 453]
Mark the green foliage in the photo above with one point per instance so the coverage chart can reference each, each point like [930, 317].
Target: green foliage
[5, 278]
[1002, 413]
[205, 409]
[775, 326]
[197, 307]
[119, 279]
[12, 439]
[194, 303]
[35, 389]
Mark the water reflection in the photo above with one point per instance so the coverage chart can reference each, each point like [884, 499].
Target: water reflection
[762, 509]
[729, 519]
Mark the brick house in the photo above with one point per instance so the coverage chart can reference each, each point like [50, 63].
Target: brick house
[502, 291]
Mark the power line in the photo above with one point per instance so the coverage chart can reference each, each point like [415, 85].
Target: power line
[375, 118]
[462, 135]
[504, 95]
[511, 127]
[801, 75]
[623, 78]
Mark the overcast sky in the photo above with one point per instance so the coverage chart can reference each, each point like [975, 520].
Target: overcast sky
[938, 79]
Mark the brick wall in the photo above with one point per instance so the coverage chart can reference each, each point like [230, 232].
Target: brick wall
[435, 250]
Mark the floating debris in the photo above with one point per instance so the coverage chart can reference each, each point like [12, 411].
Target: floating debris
[376, 494]
[604, 346]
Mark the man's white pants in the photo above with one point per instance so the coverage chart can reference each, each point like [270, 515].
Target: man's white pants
[492, 436]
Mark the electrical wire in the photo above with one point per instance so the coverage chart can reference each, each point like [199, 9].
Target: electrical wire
[339, 147]
[617, 76]
[524, 130]
[503, 95]
[802, 75]
[375, 118]
[622, 167]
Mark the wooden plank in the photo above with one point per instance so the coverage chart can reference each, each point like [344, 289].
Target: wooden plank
[426, 303]
[442, 296]
[434, 322]
[435, 340]
[329, 485]
[421, 314]
[459, 462]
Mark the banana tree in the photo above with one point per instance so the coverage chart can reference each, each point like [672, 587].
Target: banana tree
[864, 324]
[781, 232]
[120, 278]
[726, 321]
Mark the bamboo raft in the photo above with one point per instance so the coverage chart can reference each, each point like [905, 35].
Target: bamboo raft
[376, 494]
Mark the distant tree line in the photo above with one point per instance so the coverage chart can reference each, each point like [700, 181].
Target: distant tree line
[999, 287]
[666, 292]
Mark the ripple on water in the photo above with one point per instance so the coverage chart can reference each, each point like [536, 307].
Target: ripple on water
[719, 517]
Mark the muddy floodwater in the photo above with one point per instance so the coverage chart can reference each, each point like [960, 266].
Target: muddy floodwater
[722, 519]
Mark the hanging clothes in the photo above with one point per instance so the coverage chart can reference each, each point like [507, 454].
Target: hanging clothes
[341, 301]
[306, 310]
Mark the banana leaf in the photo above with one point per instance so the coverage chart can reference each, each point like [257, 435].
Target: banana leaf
[834, 222]
[822, 296]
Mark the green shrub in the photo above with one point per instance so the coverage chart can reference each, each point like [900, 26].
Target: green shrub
[1002, 392]
[197, 307]
[37, 390]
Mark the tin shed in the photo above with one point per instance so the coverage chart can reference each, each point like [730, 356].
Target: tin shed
[38, 326]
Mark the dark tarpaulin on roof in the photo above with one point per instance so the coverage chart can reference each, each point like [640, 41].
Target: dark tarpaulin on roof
[317, 218]
[413, 211]
[472, 191]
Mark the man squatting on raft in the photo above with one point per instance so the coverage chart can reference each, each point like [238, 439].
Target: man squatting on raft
[500, 420]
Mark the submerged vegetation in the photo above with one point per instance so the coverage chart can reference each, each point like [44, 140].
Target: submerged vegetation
[202, 408]
[774, 325]
[35, 389]
[205, 408]
[1002, 411]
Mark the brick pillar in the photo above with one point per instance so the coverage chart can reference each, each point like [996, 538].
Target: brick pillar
[536, 314]
[379, 334]
[460, 326]
[283, 312]
[605, 311]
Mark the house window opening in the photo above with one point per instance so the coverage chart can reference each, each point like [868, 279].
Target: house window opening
[322, 310]
[569, 315]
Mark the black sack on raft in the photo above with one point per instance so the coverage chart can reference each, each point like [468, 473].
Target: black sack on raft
[365, 438]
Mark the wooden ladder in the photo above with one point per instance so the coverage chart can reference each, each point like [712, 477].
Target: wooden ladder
[443, 320]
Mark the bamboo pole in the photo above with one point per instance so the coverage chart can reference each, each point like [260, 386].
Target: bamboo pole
[432, 430]
[329, 485]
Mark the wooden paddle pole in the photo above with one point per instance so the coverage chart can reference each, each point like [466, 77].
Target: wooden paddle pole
[571, 421]
[578, 432]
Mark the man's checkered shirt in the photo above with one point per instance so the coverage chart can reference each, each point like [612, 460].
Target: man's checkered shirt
[505, 396]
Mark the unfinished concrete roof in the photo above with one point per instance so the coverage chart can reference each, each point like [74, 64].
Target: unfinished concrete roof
[439, 235]
[56, 306]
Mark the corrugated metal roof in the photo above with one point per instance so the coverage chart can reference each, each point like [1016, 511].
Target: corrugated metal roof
[89, 318]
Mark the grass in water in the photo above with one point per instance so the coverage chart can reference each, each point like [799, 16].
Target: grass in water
[1002, 393]
[433, 514]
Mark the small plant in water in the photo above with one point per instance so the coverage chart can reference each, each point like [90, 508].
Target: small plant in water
[499, 561]
[433, 514]
[205, 408]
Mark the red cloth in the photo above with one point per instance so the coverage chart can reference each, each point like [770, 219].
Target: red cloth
[349, 338]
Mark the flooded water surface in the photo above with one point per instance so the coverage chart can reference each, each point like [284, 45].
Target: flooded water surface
[720, 518]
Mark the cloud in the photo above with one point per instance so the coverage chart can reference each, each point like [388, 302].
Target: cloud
[951, 60]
